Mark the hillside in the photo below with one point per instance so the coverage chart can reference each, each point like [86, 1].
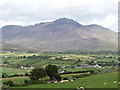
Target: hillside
[60, 35]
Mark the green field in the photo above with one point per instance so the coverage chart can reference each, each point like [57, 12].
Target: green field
[12, 71]
[79, 69]
[22, 78]
[73, 63]
[17, 59]
[93, 81]
[106, 60]
[15, 79]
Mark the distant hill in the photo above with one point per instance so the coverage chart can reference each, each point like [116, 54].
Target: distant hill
[60, 35]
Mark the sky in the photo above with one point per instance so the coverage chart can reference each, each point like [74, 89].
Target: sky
[30, 12]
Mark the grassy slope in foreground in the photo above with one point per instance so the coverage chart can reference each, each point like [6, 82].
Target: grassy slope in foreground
[94, 81]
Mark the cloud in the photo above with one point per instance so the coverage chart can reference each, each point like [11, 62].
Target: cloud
[25, 12]
[108, 22]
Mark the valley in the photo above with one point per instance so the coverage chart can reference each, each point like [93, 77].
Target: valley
[18, 65]
[59, 54]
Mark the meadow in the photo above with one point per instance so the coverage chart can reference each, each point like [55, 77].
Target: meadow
[12, 71]
[70, 61]
[71, 64]
[105, 80]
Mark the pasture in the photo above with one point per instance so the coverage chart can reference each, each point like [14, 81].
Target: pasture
[12, 71]
[11, 63]
[105, 80]
[70, 61]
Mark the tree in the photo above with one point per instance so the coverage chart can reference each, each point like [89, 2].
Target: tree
[24, 56]
[57, 77]
[4, 75]
[10, 83]
[52, 72]
[37, 73]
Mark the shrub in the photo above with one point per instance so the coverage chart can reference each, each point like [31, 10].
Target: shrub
[58, 77]
[26, 82]
[9, 83]
[4, 76]
[15, 75]
[33, 78]
[21, 75]
[81, 76]
[26, 74]
[65, 78]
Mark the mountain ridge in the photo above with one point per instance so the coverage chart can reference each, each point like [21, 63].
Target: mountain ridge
[62, 34]
[58, 21]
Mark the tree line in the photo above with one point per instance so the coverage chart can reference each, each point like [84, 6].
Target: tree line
[50, 70]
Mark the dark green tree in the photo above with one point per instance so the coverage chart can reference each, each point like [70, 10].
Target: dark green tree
[37, 73]
[9, 83]
[52, 72]
[57, 77]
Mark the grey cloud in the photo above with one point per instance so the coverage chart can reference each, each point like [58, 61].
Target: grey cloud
[28, 13]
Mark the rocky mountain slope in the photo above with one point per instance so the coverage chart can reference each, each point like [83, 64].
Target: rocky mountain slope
[60, 35]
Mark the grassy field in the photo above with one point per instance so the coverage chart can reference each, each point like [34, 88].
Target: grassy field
[68, 60]
[22, 78]
[15, 79]
[94, 81]
[12, 71]
[106, 60]
[79, 69]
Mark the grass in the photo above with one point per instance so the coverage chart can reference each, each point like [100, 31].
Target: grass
[79, 69]
[33, 62]
[22, 78]
[106, 60]
[12, 71]
[14, 60]
[74, 69]
[94, 81]
[15, 79]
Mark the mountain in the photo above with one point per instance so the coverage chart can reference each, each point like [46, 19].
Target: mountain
[62, 34]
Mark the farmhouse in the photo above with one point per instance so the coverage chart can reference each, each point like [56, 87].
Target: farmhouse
[22, 67]
[64, 81]
[89, 66]
[78, 67]
[97, 66]
[62, 66]
[61, 71]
